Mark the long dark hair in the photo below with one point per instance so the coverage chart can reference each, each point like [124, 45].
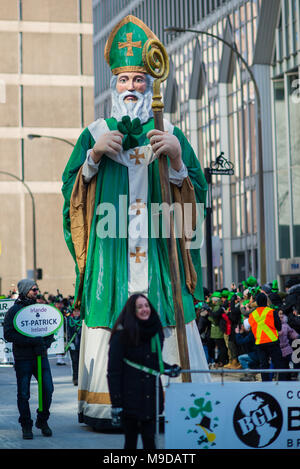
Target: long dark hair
[128, 321]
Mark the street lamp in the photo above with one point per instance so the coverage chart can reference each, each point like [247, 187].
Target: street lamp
[33, 218]
[6, 173]
[32, 136]
[262, 236]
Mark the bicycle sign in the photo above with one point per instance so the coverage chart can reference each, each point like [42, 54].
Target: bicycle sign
[221, 166]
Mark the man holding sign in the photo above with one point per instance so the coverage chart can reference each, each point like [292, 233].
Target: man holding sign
[26, 349]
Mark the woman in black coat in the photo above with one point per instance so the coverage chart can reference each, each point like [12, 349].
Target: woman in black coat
[136, 342]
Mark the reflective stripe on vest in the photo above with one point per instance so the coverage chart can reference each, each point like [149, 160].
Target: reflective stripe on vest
[262, 321]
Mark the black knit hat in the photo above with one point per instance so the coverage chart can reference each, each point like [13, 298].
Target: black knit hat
[275, 299]
[289, 302]
[261, 299]
[291, 282]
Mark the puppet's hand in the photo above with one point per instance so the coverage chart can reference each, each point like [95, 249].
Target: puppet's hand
[164, 143]
[109, 144]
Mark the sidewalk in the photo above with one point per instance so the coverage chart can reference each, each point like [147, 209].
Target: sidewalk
[67, 432]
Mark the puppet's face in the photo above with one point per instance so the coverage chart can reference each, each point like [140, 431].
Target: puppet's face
[131, 82]
[131, 94]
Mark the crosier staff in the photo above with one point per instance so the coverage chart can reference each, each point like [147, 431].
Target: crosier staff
[156, 62]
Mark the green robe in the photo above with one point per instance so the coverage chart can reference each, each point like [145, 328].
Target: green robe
[105, 289]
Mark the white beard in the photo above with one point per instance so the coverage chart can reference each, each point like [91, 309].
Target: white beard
[140, 108]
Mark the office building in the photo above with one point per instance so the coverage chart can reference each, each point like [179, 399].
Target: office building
[47, 89]
[225, 97]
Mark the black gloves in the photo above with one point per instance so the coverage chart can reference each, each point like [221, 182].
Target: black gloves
[116, 416]
[173, 371]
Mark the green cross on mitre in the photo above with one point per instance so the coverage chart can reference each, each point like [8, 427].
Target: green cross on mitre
[124, 47]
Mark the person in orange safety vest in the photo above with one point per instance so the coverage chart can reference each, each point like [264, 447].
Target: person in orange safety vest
[265, 324]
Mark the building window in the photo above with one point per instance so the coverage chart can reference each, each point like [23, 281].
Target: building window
[282, 173]
[287, 140]
[294, 145]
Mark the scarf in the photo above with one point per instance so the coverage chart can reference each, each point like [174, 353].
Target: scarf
[149, 327]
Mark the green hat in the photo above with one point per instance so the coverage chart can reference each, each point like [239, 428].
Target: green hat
[225, 293]
[124, 47]
[274, 286]
[251, 281]
[216, 294]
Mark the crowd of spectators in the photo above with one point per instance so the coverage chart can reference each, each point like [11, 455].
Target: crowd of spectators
[227, 343]
[220, 320]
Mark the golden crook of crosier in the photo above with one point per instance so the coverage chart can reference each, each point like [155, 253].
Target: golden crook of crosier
[156, 60]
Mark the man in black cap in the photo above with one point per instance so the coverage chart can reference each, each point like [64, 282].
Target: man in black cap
[25, 351]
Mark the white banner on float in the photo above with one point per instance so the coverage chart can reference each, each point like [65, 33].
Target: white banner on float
[5, 305]
[6, 355]
[58, 346]
[233, 415]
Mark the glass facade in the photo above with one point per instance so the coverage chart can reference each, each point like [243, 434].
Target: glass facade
[157, 14]
[286, 86]
[240, 19]
[282, 173]
[241, 128]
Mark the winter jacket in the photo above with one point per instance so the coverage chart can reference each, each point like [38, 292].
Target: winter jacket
[215, 317]
[225, 324]
[130, 388]
[234, 313]
[294, 321]
[246, 345]
[290, 302]
[286, 335]
[204, 325]
[24, 347]
[245, 342]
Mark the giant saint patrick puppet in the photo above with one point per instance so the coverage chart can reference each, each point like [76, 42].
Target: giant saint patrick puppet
[110, 186]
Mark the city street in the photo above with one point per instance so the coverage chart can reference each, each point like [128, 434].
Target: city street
[67, 432]
[76, 439]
